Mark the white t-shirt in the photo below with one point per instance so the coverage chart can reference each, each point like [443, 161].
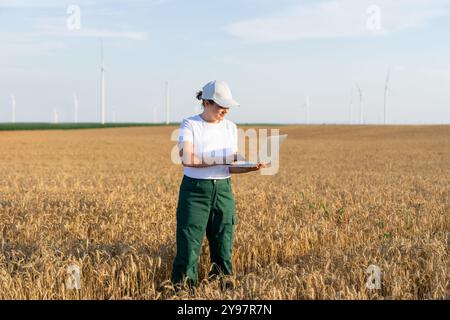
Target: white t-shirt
[211, 141]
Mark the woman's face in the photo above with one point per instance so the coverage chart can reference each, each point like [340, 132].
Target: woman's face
[216, 112]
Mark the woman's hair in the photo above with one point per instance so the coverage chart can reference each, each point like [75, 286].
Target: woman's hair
[199, 97]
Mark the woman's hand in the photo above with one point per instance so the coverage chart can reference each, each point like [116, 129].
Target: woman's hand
[262, 165]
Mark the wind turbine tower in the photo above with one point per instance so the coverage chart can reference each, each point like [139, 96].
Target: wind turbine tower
[13, 108]
[55, 116]
[386, 89]
[75, 106]
[167, 103]
[103, 85]
[307, 105]
[361, 106]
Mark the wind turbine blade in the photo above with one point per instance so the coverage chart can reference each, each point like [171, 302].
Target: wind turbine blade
[101, 51]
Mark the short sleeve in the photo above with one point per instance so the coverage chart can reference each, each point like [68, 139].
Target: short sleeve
[186, 133]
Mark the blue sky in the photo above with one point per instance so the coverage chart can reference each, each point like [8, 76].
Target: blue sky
[273, 54]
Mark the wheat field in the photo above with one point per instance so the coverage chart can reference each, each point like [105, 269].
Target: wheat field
[345, 198]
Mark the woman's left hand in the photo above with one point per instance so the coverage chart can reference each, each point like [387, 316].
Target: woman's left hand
[262, 165]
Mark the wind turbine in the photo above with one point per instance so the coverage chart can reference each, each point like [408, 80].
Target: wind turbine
[55, 116]
[75, 106]
[167, 103]
[386, 89]
[13, 108]
[114, 115]
[361, 106]
[103, 85]
[306, 106]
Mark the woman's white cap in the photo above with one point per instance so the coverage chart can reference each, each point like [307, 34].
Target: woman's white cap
[220, 93]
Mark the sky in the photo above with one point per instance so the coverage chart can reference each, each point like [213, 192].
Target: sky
[275, 55]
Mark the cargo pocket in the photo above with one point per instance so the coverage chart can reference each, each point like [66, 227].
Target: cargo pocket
[231, 201]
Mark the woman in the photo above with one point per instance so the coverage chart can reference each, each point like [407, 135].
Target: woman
[208, 143]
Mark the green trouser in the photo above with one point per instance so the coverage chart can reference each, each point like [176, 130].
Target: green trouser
[204, 205]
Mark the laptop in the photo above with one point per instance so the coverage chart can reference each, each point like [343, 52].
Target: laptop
[270, 141]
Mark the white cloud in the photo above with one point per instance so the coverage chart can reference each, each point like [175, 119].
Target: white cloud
[47, 27]
[104, 33]
[436, 71]
[64, 3]
[49, 37]
[42, 3]
[32, 48]
[424, 70]
[343, 18]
